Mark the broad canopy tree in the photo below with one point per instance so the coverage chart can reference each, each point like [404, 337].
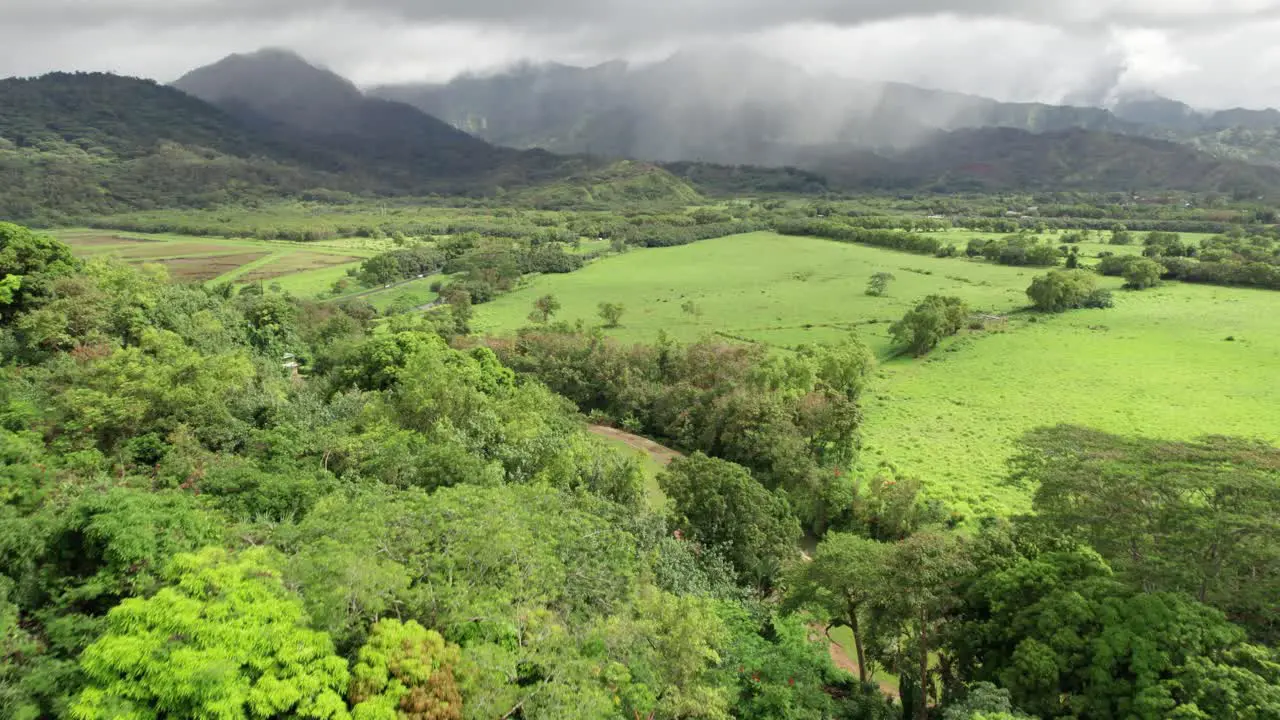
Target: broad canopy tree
[720, 505]
[224, 640]
[933, 320]
[1068, 640]
[1199, 517]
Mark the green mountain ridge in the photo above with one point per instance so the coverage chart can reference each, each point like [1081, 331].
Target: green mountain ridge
[989, 159]
[271, 126]
[73, 146]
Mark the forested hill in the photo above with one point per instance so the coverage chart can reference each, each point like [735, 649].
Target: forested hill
[82, 144]
[126, 117]
[1007, 159]
[77, 145]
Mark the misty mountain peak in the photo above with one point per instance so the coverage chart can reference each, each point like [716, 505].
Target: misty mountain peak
[723, 61]
[1148, 108]
[273, 82]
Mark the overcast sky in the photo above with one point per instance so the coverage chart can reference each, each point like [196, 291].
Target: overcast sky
[1209, 53]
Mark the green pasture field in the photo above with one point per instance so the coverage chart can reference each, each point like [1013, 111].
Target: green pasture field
[762, 287]
[314, 283]
[305, 269]
[587, 247]
[1159, 363]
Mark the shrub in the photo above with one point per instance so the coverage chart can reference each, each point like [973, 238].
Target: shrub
[1060, 290]
[611, 313]
[1143, 273]
[1121, 236]
[1099, 299]
[922, 328]
[1115, 265]
[879, 284]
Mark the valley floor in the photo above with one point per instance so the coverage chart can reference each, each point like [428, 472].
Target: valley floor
[1160, 363]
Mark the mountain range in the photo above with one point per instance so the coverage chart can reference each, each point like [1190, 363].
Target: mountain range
[269, 124]
[734, 106]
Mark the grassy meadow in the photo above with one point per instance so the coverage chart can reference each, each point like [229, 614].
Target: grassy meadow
[762, 287]
[1159, 363]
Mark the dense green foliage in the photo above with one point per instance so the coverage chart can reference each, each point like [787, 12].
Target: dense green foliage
[222, 639]
[1061, 290]
[1142, 273]
[1078, 644]
[1234, 259]
[406, 670]
[1015, 250]
[189, 530]
[29, 263]
[400, 265]
[926, 325]
[1195, 517]
[792, 420]
[720, 505]
[836, 229]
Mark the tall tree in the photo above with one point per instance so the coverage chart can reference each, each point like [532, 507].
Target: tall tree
[934, 319]
[1068, 640]
[879, 284]
[544, 308]
[925, 571]
[29, 262]
[846, 576]
[611, 313]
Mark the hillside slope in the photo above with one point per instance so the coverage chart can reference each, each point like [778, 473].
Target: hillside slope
[408, 147]
[1007, 159]
[73, 146]
[79, 144]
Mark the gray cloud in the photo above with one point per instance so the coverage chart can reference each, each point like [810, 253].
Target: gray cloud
[642, 15]
[1208, 52]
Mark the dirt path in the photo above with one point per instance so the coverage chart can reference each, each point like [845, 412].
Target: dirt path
[661, 454]
[843, 658]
